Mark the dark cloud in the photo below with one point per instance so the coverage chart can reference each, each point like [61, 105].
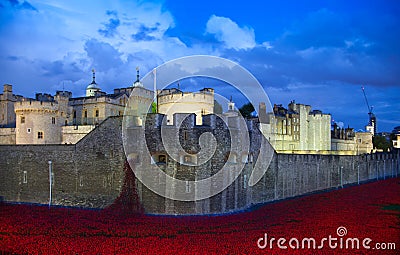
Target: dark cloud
[330, 46]
[144, 33]
[62, 69]
[110, 28]
[12, 58]
[111, 13]
[21, 6]
[13, 2]
[27, 6]
[103, 55]
[327, 47]
[322, 28]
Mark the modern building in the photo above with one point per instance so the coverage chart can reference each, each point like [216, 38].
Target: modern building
[396, 142]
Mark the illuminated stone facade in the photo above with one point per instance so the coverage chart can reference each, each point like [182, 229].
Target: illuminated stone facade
[171, 101]
[62, 119]
[298, 128]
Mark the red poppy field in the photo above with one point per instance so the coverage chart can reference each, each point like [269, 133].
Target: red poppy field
[369, 213]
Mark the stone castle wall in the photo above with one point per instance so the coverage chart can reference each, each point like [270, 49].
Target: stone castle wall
[87, 174]
[90, 173]
[7, 135]
[72, 134]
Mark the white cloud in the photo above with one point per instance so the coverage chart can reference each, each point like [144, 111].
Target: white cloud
[228, 32]
[267, 45]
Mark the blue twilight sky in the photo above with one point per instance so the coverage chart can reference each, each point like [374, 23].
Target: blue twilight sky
[315, 52]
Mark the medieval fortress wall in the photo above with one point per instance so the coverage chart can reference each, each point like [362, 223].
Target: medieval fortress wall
[87, 174]
[90, 172]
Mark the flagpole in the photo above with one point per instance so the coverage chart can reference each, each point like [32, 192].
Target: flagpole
[50, 183]
[155, 87]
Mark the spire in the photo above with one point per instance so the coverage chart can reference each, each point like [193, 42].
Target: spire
[137, 74]
[137, 83]
[93, 87]
[231, 105]
[94, 76]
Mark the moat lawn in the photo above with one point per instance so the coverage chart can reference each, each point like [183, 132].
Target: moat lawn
[367, 215]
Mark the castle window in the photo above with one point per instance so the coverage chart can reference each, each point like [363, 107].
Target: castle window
[80, 181]
[25, 177]
[22, 119]
[245, 158]
[187, 187]
[40, 135]
[244, 181]
[85, 113]
[97, 113]
[53, 120]
[185, 135]
[104, 182]
[232, 158]
[66, 122]
[187, 159]
[162, 159]
[28, 130]
[74, 114]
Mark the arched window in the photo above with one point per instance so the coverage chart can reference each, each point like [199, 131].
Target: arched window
[245, 158]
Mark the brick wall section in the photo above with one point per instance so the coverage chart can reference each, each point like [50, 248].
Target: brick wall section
[90, 173]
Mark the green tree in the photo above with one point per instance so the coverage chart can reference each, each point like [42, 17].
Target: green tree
[246, 110]
[380, 142]
[153, 107]
[217, 107]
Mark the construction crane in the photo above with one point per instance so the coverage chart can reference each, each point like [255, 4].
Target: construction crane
[372, 119]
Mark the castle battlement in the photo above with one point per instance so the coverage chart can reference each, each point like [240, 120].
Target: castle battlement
[36, 106]
[203, 96]
[90, 100]
[188, 121]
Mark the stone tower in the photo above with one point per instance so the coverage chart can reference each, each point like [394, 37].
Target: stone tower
[7, 99]
[40, 122]
[171, 101]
